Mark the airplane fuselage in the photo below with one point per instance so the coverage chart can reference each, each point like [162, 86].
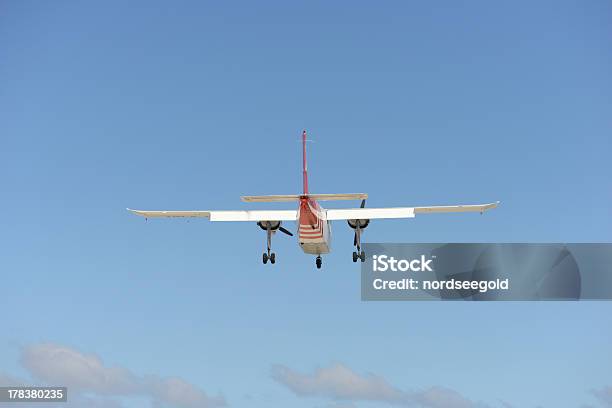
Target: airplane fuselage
[314, 230]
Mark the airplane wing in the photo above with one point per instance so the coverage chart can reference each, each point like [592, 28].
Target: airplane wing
[332, 214]
[402, 212]
[369, 213]
[456, 208]
[273, 215]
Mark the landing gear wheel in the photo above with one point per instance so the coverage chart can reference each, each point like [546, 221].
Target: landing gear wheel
[272, 257]
[265, 258]
[319, 262]
[361, 256]
[355, 256]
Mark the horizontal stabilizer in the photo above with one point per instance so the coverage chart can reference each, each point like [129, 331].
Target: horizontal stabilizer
[296, 197]
[335, 197]
[270, 198]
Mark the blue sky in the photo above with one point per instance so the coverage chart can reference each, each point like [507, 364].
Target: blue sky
[188, 106]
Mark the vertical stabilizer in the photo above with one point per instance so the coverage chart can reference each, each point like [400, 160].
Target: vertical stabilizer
[304, 167]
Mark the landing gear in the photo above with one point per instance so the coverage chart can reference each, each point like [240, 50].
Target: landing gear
[358, 225]
[271, 227]
[319, 262]
[359, 254]
[269, 256]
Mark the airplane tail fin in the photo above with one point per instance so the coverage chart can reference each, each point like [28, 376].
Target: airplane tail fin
[304, 167]
[296, 197]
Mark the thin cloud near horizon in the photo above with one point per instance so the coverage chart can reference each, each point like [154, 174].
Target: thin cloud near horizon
[92, 383]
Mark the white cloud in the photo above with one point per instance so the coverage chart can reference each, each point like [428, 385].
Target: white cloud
[177, 392]
[60, 365]
[341, 405]
[338, 382]
[440, 397]
[604, 395]
[91, 383]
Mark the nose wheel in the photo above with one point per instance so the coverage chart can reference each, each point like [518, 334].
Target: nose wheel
[319, 262]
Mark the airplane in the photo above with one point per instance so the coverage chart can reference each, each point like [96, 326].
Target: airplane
[313, 221]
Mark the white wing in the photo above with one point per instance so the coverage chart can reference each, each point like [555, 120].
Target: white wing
[332, 214]
[402, 212]
[370, 213]
[274, 215]
[456, 208]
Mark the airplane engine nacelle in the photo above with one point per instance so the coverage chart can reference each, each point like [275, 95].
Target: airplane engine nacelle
[273, 225]
[361, 223]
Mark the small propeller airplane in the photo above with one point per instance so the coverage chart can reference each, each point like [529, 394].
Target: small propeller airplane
[313, 221]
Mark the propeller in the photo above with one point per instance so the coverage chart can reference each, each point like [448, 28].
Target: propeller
[286, 231]
[355, 236]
